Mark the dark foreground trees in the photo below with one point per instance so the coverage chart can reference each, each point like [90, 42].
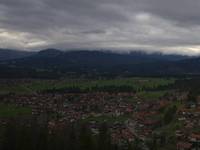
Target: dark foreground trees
[22, 135]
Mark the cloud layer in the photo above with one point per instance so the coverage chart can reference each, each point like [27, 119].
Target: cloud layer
[168, 26]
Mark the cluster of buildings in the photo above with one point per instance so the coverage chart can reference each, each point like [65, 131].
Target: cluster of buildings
[189, 136]
[127, 115]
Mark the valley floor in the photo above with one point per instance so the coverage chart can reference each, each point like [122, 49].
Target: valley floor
[150, 111]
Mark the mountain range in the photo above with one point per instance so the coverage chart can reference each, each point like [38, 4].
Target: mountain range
[56, 63]
[8, 54]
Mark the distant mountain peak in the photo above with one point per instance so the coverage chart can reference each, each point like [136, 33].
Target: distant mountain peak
[9, 54]
[50, 52]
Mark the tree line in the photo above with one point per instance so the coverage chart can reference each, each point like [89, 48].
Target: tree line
[20, 134]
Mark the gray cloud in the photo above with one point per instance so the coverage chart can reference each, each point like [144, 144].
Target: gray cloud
[171, 26]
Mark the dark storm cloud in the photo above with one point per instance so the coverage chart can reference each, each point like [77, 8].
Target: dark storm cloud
[181, 11]
[153, 25]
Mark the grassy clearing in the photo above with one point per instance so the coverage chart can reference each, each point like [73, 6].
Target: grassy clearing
[32, 86]
[151, 95]
[13, 111]
[20, 89]
[169, 129]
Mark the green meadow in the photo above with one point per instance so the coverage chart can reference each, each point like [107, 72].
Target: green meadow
[8, 110]
[31, 86]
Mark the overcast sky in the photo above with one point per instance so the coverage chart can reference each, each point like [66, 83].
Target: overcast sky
[168, 26]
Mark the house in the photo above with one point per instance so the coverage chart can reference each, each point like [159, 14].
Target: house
[195, 139]
[183, 146]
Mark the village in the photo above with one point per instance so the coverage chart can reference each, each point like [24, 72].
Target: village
[128, 116]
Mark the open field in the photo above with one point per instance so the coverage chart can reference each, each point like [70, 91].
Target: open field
[145, 95]
[129, 84]
[8, 110]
